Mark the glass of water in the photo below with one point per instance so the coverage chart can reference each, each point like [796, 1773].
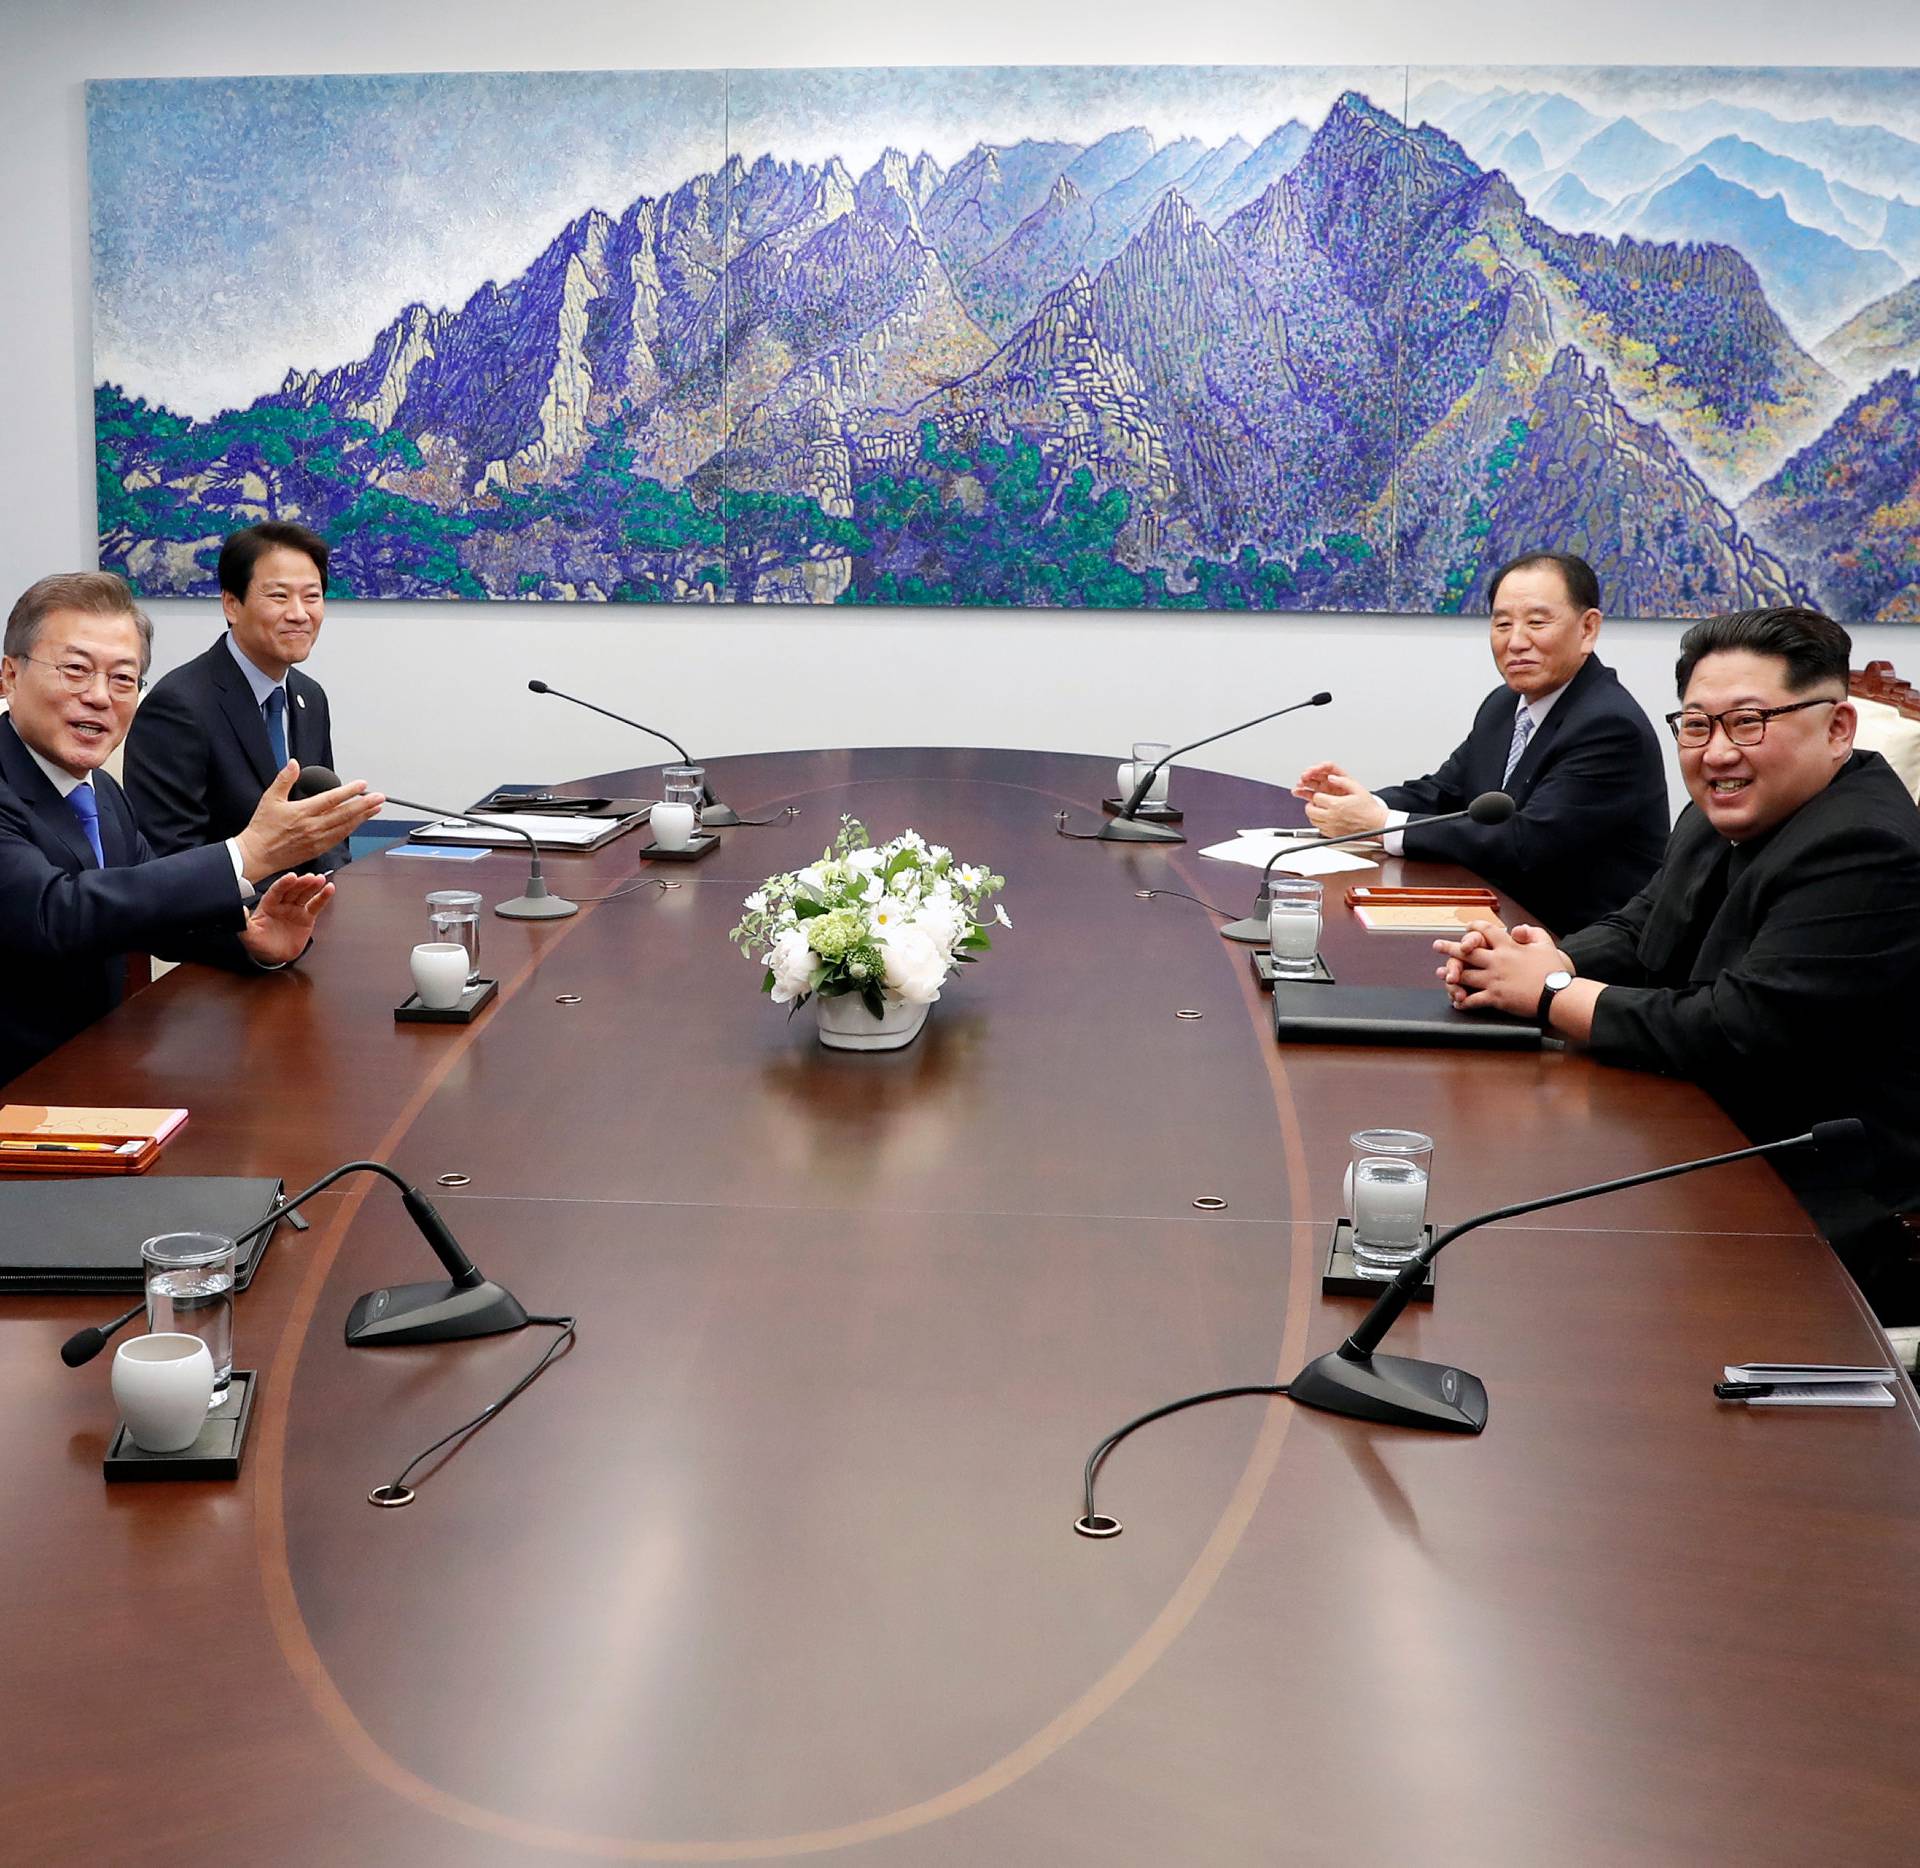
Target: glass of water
[190, 1290]
[1387, 1197]
[1293, 926]
[454, 915]
[683, 784]
[1147, 753]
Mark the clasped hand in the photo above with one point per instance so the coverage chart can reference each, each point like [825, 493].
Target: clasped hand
[1338, 805]
[1493, 968]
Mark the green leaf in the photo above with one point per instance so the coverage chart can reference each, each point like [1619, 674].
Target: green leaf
[806, 908]
[871, 999]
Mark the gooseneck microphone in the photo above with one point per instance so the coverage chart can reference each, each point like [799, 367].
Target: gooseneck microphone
[1128, 826]
[1491, 807]
[1353, 1380]
[463, 1305]
[539, 903]
[713, 814]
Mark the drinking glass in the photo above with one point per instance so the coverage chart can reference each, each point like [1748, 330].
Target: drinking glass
[454, 915]
[190, 1293]
[683, 784]
[1293, 925]
[1387, 1196]
[1147, 753]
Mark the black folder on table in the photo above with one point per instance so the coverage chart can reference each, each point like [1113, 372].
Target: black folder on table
[1392, 1015]
[85, 1235]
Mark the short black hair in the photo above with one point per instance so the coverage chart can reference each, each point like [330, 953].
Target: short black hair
[1582, 586]
[1814, 647]
[245, 549]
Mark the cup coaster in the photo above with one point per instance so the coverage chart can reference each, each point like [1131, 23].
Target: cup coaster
[704, 843]
[1263, 971]
[410, 1011]
[216, 1454]
[1341, 1278]
[1148, 813]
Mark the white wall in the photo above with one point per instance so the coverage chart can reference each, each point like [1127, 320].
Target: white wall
[430, 700]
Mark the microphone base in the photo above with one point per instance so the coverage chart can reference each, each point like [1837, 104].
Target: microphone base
[1151, 811]
[1251, 928]
[537, 908]
[719, 817]
[1395, 1390]
[440, 1312]
[1135, 830]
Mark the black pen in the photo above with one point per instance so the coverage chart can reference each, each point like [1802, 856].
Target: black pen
[1742, 1391]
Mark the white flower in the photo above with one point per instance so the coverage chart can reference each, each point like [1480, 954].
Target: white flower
[887, 913]
[945, 923]
[969, 875]
[916, 964]
[792, 964]
[863, 862]
[811, 879]
[756, 903]
[874, 891]
[1000, 914]
[939, 853]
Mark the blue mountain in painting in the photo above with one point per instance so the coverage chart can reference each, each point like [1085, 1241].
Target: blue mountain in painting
[1620, 158]
[1849, 506]
[1048, 376]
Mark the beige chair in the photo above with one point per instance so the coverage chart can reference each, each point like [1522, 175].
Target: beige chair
[1885, 729]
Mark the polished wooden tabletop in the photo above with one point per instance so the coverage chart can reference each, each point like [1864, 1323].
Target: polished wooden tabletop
[778, 1561]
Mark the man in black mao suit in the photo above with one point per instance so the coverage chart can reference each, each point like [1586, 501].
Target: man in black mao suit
[202, 748]
[1562, 737]
[79, 886]
[1775, 957]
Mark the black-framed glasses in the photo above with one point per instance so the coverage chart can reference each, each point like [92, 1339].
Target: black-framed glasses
[78, 677]
[1743, 726]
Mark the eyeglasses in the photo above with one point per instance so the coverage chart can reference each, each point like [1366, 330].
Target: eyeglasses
[1743, 726]
[79, 677]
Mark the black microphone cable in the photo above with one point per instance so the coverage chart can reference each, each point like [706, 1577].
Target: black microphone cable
[397, 1492]
[1147, 895]
[1092, 1524]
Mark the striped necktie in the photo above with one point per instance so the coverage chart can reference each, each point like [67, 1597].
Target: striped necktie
[1522, 732]
[86, 807]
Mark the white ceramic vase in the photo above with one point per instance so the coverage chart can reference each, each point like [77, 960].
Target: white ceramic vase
[845, 1024]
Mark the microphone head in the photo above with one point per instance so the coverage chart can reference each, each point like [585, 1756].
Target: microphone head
[538, 687]
[83, 1346]
[313, 780]
[1847, 1134]
[1491, 807]
[1321, 699]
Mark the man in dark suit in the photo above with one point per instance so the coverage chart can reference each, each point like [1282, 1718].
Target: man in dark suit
[1562, 737]
[209, 738]
[79, 886]
[1774, 958]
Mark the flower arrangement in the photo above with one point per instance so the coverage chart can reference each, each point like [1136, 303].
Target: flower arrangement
[888, 923]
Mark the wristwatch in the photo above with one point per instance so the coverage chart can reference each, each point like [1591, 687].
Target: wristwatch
[1556, 983]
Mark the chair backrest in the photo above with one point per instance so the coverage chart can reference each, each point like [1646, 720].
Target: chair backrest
[1894, 734]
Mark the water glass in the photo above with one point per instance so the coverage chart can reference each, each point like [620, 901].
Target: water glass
[1387, 1198]
[684, 784]
[1293, 925]
[1147, 753]
[190, 1293]
[454, 915]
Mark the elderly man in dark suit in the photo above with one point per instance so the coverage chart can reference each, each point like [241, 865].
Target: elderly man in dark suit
[208, 740]
[79, 885]
[1561, 736]
[1774, 958]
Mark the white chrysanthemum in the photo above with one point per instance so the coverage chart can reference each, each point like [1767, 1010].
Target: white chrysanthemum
[1000, 914]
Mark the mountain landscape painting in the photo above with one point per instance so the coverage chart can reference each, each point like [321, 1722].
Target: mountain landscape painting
[1262, 338]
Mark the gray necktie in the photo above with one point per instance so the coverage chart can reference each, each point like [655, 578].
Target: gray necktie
[1522, 732]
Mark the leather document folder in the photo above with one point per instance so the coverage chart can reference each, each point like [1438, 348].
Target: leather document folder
[1392, 1015]
[85, 1235]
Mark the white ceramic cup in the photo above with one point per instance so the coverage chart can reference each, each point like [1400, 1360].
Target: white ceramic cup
[162, 1386]
[440, 973]
[1127, 775]
[672, 825]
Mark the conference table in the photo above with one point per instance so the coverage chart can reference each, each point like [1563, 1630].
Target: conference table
[777, 1560]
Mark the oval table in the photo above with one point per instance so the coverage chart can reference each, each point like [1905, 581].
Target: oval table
[777, 1561]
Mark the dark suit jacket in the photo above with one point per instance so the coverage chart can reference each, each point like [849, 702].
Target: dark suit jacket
[1592, 797]
[197, 758]
[1792, 1000]
[66, 924]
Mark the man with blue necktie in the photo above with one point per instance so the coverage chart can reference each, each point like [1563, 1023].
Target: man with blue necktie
[79, 886]
[1561, 736]
[208, 740]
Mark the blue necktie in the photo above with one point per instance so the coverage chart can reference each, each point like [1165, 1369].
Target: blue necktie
[86, 807]
[1522, 732]
[274, 707]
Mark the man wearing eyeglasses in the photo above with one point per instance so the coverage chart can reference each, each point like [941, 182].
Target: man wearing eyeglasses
[79, 886]
[1774, 959]
[208, 740]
